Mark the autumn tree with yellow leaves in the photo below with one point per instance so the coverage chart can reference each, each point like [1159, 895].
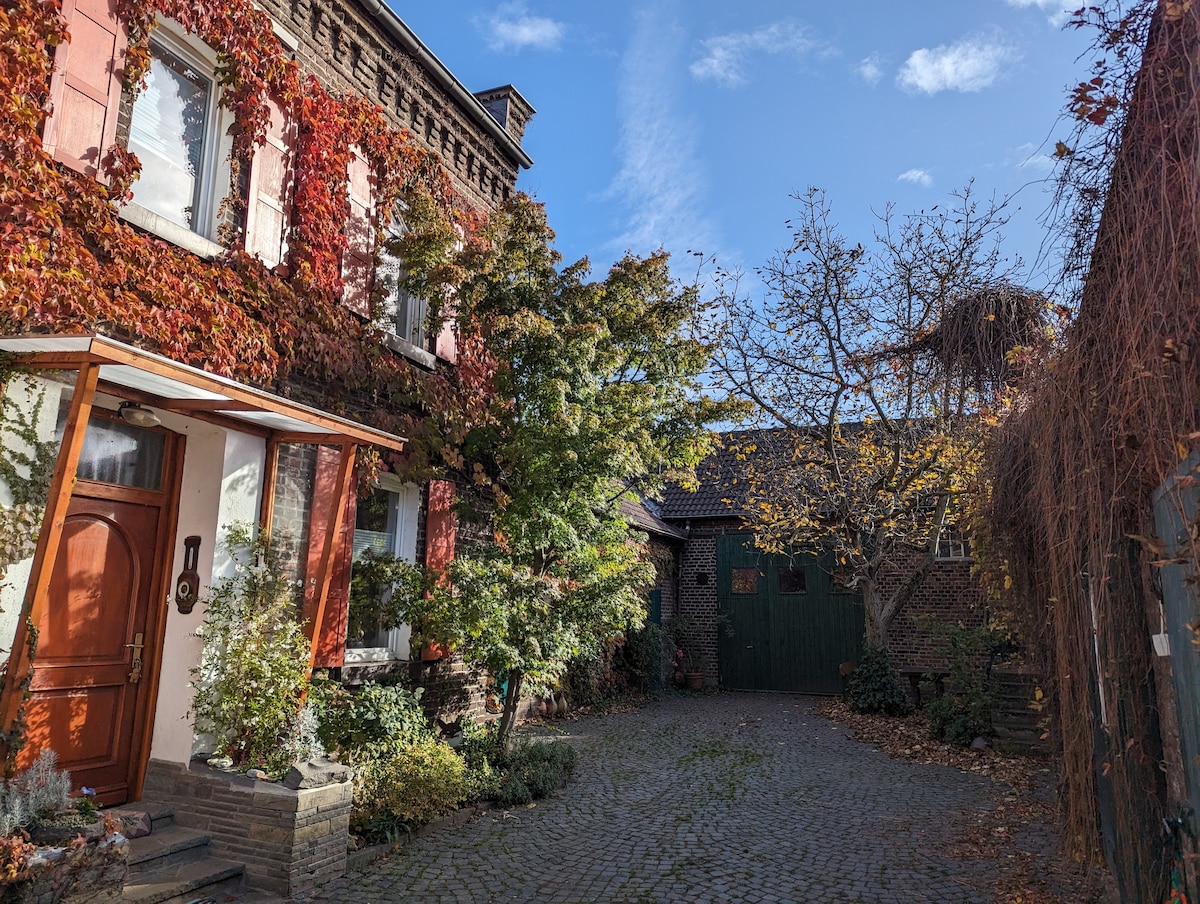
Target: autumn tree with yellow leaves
[881, 366]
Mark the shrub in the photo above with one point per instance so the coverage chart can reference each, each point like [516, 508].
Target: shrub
[352, 719]
[642, 655]
[585, 679]
[253, 670]
[873, 687]
[35, 795]
[964, 712]
[533, 770]
[958, 719]
[403, 785]
[481, 754]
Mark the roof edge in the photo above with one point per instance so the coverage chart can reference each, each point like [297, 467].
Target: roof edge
[474, 108]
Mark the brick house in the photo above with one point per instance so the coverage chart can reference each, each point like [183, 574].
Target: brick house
[779, 622]
[152, 447]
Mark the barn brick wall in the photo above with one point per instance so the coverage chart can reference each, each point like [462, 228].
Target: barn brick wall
[698, 589]
[949, 593]
[665, 553]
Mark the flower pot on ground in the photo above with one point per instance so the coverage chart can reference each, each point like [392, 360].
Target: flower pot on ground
[70, 827]
[693, 681]
[684, 636]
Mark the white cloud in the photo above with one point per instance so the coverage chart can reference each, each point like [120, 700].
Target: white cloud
[1032, 159]
[661, 179]
[1059, 11]
[724, 57]
[916, 177]
[512, 28]
[968, 65]
[870, 70]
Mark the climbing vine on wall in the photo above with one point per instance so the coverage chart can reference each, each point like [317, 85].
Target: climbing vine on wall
[69, 263]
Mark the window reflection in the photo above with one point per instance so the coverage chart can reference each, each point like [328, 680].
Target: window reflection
[120, 453]
[167, 132]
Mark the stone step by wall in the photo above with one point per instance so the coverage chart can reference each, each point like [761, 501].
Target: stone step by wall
[289, 840]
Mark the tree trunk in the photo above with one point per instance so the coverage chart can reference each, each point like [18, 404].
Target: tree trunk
[512, 699]
[880, 612]
[876, 618]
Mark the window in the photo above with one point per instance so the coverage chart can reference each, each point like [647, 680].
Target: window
[791, 579]
[403, 313]
[174, 133]
[385, 522]
[953, 545]
[120, 453]
[744, 580]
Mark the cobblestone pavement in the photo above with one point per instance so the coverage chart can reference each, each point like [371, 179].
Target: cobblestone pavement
[706, 798]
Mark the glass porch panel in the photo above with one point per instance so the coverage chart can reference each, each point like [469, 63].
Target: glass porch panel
[32, 407]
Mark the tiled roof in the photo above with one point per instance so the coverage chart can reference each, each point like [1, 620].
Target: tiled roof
[722, 491]
[639, 516]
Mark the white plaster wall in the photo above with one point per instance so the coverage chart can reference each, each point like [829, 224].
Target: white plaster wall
[222, 484]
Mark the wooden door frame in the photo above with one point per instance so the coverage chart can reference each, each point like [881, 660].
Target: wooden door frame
[158, 605]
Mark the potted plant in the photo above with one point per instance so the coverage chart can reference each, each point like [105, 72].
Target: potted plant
[685, 635]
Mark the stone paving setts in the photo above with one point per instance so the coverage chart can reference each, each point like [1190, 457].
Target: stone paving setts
[730, 797]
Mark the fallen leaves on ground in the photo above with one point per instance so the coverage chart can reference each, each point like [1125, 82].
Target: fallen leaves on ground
[907, 737]
[1018, 835]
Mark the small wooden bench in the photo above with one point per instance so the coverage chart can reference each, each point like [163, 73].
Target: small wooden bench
[916, 676]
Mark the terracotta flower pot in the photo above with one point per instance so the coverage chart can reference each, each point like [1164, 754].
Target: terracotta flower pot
[694, 680]
[433, 651]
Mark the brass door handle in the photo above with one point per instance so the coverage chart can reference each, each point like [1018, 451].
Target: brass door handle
[135, 674]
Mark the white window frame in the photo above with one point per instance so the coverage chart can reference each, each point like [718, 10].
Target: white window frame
[214, 176]
[404, 319]
[407, 502]
[953, 545]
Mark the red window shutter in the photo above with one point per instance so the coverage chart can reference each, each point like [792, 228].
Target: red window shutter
[446, 346]
[85, 88]
[440, 527]
[331, 633]
[358, 264]
[270, 180]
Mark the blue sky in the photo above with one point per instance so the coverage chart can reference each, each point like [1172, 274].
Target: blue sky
[687, 124]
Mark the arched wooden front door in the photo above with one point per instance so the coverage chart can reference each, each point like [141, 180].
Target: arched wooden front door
[93, 682]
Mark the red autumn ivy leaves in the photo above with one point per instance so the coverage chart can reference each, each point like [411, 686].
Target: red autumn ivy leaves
[67, 261]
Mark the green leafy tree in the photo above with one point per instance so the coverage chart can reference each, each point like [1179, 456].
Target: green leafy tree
[597, 396]
[881, 367]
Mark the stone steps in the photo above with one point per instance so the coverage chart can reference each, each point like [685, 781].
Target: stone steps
[173, 865]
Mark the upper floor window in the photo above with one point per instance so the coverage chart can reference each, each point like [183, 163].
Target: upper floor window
[403, 314]
[173, 131]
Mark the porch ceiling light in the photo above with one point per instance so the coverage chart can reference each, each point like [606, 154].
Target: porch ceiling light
[133, 413]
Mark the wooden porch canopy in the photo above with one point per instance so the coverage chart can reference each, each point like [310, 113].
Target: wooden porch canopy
[162, 383]
[141, 376]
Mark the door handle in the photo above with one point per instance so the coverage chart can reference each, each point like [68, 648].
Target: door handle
[135, 674]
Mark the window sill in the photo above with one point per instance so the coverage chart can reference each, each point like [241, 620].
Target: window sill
[368, 655]
[417, 355]
[143, 218]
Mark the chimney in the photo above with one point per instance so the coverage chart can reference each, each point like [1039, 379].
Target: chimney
[508, 108]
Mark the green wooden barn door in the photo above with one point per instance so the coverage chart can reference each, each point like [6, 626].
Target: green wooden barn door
[788, 628]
